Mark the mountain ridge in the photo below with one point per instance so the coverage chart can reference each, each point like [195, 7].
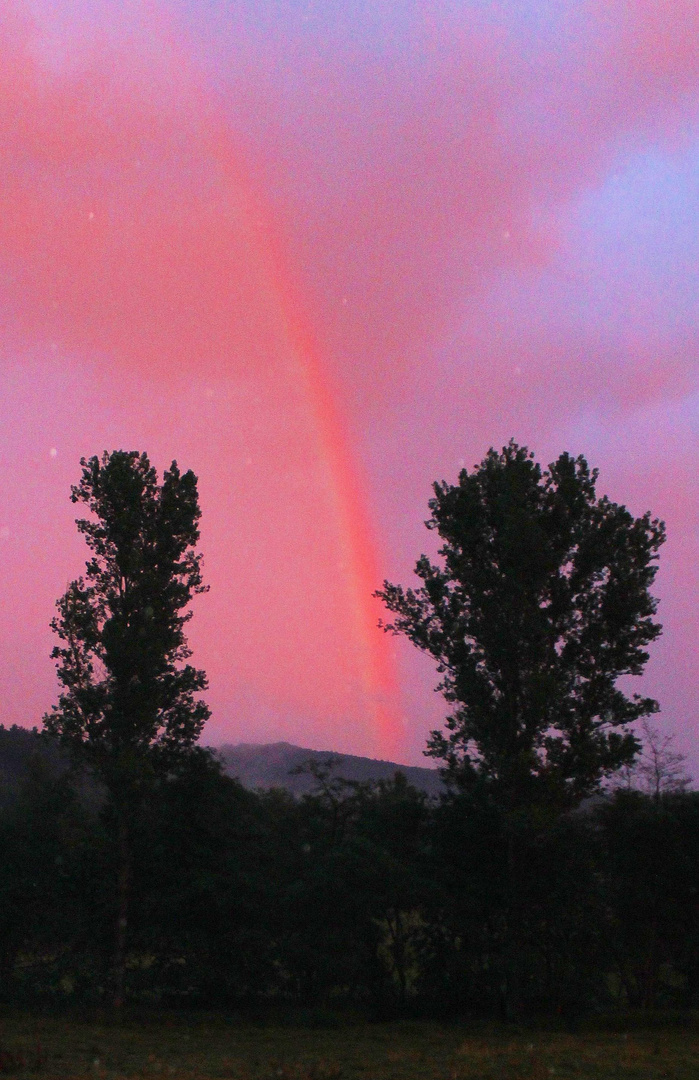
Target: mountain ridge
[256, 765]
[268, 765]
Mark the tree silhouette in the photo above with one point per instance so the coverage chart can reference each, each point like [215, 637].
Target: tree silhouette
[659, 769]
[540, 603]
[129, 708]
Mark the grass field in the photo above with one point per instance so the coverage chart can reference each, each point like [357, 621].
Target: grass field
[205, 1047]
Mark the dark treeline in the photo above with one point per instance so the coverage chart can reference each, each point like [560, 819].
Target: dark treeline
[365, 894]
[133, 868]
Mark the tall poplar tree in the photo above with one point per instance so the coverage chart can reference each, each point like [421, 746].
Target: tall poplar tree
[129, 707]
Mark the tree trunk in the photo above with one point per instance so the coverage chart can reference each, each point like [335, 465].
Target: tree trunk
[398, 936]
[122, 920]
[511, 939]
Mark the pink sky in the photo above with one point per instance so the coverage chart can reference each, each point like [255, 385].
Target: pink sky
[324, 256]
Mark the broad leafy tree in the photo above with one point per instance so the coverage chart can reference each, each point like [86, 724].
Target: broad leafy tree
[129, 708]
[539, 604]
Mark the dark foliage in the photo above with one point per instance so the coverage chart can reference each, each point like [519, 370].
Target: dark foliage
[540, 603]
[504, 895]
[129, 708]
[129, 700]
[363, 893]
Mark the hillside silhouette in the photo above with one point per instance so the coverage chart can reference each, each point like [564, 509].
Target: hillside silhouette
[265, 765]
[271, 765]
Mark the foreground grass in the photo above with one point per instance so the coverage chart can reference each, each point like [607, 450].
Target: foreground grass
[209, 1048]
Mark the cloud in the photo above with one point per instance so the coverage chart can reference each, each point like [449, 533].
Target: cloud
[135, 251]
[421, 188]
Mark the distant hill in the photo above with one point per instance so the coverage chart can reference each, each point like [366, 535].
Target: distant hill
[256, 766]
[271, 764]
[23, 751]
[19, 749]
